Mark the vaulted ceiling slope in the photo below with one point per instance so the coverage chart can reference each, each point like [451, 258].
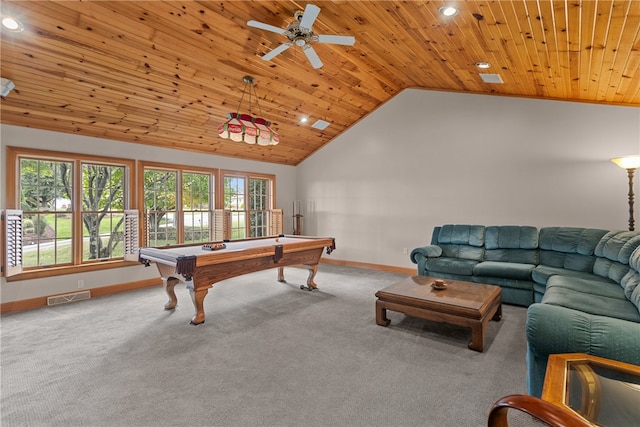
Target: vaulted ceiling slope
[166, 73]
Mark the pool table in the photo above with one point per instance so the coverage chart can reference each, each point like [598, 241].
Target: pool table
[200, 267]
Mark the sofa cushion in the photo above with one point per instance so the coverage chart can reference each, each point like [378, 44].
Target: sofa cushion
[618, 245]
[511, 237]
[462, 252]
[472, 235]
[593, 304]
[461, 241]
[635, 297]
[542, 273]
[572, 248]
[569, 261]
[509, 270]
[504, 282]
[614, 251]
[511, 243]
[613, 270]
[631, 281]
[574, 240]
[597, 286]
[634, 259]
[463, 267]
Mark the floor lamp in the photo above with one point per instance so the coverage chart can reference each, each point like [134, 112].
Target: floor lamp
[630, 163]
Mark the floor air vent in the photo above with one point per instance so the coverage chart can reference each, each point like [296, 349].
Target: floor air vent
[63, 299]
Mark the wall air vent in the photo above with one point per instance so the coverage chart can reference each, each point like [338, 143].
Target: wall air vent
[320, 124]
[491, 78]
[62, 299]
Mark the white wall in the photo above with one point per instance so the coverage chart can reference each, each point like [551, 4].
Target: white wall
[33, 138]
[427, 158]
[423, 159]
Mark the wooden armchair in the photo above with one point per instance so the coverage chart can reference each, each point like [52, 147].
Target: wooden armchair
[542, 410]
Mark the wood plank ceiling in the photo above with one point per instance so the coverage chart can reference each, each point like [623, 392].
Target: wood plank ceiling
[167, 73]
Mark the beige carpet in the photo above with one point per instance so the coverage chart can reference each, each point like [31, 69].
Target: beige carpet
[269, 354]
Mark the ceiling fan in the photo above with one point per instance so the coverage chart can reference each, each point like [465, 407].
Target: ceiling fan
[300, 32]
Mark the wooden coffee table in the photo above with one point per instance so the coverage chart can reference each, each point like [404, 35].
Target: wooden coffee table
[462, 303]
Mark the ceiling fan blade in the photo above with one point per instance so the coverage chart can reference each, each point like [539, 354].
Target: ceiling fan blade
[266, 27]
[312, 56]
[344, 40]
[309, 16]
[277, 51]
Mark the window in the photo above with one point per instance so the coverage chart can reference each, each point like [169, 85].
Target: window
[234, 188]
[249, 199]
[69, 211]
[179, 204]
[197, 206]
[160, 206]
[72, 207]
[103, 205]
[259, 207]
[46, 193]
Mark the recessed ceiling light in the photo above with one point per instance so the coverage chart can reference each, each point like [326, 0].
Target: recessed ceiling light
[11, 24]
[304, 119]
[483, 64]
[447, 10]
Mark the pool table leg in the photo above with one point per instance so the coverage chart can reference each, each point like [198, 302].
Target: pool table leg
[169, 285]
[197, 296]
[311, 285]
[280, 274]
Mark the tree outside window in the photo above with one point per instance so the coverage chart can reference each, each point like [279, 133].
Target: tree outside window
[248, 197]
[46, 202]
[196, 206]
[102, 211]
[60, 230]
[178, 203]
[160, 196]
[73, 206]
[234, 201]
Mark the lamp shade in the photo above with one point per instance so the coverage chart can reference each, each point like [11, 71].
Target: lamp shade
[627, 162]
[245, 128]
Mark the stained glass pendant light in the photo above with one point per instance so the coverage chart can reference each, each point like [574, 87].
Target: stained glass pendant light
[246, 128]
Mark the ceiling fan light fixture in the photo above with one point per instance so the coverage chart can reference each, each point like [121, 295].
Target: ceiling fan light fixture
[300, 33]
[448, 10]
[246, 128]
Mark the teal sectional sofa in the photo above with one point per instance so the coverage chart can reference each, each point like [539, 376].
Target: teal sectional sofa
[580, 284]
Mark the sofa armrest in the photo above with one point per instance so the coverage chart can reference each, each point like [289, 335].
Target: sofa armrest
[552, 329]
[420, 255]
[429, 251]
